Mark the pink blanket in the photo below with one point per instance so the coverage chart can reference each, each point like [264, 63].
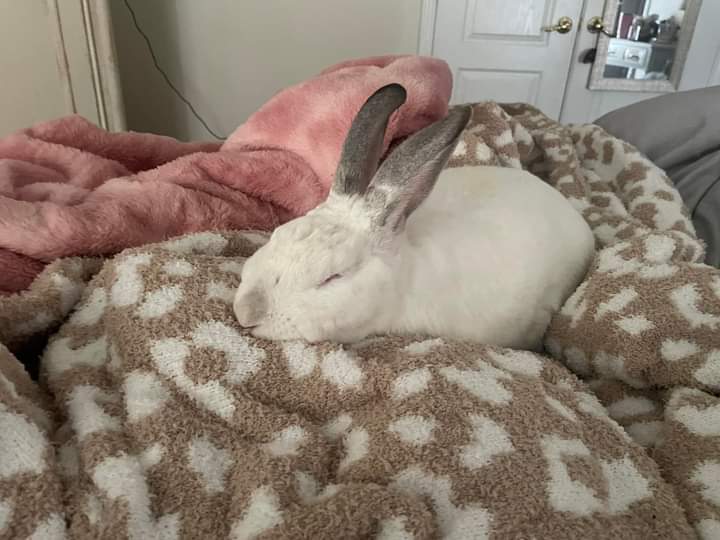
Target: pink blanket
[70, 188]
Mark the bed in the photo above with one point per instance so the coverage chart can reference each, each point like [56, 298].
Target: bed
[157, 417]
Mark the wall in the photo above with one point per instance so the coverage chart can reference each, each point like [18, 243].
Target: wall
[28, 66]
[228, 57]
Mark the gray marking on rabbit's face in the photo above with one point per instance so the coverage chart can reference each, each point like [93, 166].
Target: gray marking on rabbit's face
[363, 146]
[408, 175]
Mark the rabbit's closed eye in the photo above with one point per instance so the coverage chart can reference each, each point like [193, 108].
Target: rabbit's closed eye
[330, 279]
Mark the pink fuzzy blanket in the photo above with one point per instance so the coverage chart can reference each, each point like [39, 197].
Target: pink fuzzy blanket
[70, 188]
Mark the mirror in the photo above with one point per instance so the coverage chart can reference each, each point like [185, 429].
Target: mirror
[647, 46]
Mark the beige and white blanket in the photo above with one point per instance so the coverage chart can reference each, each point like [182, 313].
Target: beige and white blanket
[156, 417]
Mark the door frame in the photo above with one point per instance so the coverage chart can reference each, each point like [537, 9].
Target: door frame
[86, 60]
[426, 34]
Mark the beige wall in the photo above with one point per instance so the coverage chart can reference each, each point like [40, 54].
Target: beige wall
[228, 56]
[30, 88]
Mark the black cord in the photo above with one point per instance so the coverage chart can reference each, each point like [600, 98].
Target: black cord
[165, 76]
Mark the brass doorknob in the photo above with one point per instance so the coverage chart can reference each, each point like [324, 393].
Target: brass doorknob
[563, 26]
[596, 26]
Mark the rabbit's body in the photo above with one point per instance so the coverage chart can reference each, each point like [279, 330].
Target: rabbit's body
[488, 257]
[486, 254]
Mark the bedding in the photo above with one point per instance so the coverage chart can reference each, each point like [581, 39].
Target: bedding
[680, 132]
[157, 417]
[69, 188]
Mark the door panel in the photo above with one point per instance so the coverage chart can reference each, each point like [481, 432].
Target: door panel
[497, 85]
[497, 49]
[500, 18]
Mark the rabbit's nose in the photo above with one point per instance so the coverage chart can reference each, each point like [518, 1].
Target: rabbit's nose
[250, 308]
[244, 323]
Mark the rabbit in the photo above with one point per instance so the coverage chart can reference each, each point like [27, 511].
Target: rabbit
[478, 254]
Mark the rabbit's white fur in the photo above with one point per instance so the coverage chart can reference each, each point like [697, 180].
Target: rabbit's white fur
[488, 256]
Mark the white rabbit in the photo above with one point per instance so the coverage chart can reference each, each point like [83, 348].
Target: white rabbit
[486, 255]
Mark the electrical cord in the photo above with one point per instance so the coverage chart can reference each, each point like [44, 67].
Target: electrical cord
[165, 76]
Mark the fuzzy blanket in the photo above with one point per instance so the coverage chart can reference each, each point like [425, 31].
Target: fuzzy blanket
[157, 417]
[69, 188]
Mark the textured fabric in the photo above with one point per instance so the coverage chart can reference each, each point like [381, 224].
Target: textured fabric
[69, 188]
[171, 422]
[680, 132]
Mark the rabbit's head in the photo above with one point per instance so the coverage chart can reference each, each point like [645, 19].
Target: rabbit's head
[333, 274]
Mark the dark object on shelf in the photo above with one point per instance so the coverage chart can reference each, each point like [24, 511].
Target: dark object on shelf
[588, 57]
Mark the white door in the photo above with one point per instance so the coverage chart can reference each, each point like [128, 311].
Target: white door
[498, 50]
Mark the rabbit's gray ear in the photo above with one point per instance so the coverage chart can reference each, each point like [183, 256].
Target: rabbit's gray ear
[408, 175]
[363, 145]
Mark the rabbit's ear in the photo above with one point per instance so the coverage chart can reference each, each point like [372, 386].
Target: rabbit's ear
[363, 145]
[408, 175]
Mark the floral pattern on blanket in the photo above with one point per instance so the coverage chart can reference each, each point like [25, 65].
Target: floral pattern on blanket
[157, 417]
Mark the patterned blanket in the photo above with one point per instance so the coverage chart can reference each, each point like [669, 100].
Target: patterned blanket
[155, 416]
